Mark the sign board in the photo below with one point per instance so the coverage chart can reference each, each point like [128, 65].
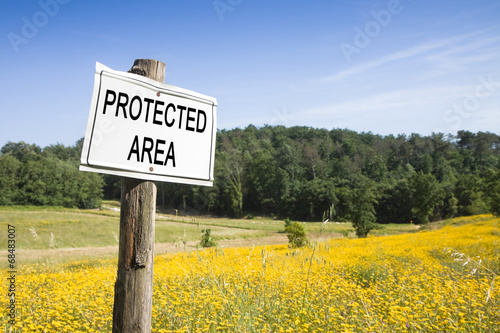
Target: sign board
[141, 128]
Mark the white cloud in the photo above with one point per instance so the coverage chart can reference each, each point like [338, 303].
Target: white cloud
[399, 55]
[397, 100]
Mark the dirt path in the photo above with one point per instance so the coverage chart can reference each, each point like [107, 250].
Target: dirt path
[105, 252]
[160, 248]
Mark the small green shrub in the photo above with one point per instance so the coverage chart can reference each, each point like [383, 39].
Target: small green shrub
[296, 233]
[206, 239]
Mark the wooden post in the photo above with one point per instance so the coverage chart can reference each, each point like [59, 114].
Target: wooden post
[134, 282]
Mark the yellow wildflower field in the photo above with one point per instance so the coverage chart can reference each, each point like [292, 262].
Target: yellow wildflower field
[431, 281]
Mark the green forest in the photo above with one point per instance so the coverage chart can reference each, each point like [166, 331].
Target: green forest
[300, 173]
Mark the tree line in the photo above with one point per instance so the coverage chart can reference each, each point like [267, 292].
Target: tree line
[300, 173]
[30, 175]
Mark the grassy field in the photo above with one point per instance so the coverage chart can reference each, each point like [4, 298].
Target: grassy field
[42, 233]
[441, 279]
[65, 228]
[41, 228]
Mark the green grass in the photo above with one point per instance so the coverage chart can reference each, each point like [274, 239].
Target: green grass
[39, 228]
[263, 224]
[111, 203]
[345, 229]
[172, 232]
[330, 228]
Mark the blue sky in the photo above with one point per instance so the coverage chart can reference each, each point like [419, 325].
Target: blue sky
[389, 67]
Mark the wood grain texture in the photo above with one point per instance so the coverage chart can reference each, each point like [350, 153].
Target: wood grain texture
[134, 282]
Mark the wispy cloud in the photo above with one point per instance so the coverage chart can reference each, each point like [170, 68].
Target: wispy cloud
[412, 107]
[399, 55]
[416, 100]
[461, 57]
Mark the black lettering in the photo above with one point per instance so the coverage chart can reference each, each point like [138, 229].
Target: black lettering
[182, 108]
[169, 124]
[108, 102]
[121, 104]
[148, 101]
[189, 119]
[170, 154]
[157, 112]
[134, 149]
[135, 98]
[158, 151]
[202, 129]
[147, 149]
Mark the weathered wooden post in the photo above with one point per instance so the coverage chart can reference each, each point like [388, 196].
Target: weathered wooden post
[144, 130]
[134, 283]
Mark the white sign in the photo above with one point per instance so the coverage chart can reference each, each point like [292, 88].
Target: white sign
[141, 128]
